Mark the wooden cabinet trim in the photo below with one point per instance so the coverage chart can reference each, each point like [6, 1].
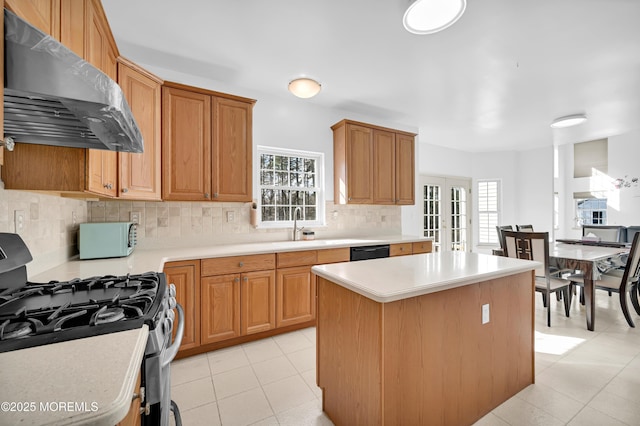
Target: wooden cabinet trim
[207, 92]
[127, 62]
[238, 264]
[188, 297]
[344, 122]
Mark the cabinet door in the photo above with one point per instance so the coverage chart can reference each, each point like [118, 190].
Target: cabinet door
[258, 299]
[384, 167]
[72, 25]
[42, 14]
[359, 146]
[186, 145]
[220, 307]
[232, 147]
[100, 51]
[295, 296]
[186, 277]
[405, 169]
[101, 172]
[140, 173]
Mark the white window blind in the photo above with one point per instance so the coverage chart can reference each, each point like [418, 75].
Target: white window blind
[488, 211]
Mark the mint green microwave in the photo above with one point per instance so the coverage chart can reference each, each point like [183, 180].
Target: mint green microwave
[110, 239]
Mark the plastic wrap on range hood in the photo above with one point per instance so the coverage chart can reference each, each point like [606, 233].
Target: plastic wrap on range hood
[54, 97]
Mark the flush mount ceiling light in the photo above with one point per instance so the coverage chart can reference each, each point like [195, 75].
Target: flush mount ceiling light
[431, 16]
[304, 87]
[568, 121]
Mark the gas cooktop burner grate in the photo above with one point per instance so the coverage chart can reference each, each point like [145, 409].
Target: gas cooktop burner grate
[40, 313]
[14, 330]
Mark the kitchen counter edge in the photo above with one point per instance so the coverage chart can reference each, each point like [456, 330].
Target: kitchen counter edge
[146, 260]
[397, 278]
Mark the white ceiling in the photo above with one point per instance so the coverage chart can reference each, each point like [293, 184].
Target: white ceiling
[493, 81]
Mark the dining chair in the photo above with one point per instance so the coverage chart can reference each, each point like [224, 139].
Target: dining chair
[610, 233]
[625, 282]
[499, 230]
[524, 228]
[535, 246]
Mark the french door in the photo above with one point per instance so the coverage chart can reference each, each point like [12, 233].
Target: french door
[446, 212]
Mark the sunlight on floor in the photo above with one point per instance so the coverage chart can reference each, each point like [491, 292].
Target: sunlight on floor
[555, 345]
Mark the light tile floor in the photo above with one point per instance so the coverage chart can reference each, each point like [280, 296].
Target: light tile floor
[582, 378]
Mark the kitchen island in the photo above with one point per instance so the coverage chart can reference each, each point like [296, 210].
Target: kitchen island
[405, 340]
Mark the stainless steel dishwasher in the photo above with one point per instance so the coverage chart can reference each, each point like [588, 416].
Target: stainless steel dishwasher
[369, 252]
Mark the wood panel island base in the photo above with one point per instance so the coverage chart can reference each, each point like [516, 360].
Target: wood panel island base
[414, 351]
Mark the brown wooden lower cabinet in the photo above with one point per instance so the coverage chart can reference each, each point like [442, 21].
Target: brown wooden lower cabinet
[258, 302]
[295, 296]
[427, 359]
[133, 416]
[220, 308]
[186, 277]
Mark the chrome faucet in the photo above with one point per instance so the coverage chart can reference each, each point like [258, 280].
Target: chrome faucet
[296, 213]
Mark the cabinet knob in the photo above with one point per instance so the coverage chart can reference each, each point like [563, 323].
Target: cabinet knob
[241, 264]
[125, 190]
[401, 248]
[349, 198]
[246, 278]
[206, 195]
[215, 195]
[236, 280]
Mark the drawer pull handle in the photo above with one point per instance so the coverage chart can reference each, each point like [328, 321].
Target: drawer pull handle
[241, 264]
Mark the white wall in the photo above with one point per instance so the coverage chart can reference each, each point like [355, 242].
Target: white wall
[534, 183]
[623, 204]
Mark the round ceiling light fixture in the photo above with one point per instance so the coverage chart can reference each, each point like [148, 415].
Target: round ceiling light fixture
[431, 16]
[304, 87]
[568, 121]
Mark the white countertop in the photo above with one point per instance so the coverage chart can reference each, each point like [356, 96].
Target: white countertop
[154, 259]
[401, 277]
[83, 381]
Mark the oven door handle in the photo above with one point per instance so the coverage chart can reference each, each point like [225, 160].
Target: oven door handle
[172, 350]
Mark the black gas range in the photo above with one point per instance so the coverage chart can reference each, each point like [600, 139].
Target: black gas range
[34, 314]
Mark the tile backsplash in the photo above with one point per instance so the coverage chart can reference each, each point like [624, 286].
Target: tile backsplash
[49, 229]
[161, 222]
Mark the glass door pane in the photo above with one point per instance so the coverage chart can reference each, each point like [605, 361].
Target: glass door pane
[446, 204]
[432, 219]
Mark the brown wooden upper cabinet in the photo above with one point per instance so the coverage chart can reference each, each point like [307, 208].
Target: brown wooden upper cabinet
[139, 176]
[206, 145]
[372, 164]
[81, 25]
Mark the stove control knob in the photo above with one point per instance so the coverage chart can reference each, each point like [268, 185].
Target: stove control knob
[172, 290]
[168, 325]
[172, 302]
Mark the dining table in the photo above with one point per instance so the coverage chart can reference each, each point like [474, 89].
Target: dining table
[584, 258]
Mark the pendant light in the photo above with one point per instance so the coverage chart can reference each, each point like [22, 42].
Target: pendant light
[431, 16]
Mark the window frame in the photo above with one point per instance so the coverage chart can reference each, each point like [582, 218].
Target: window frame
[319, 188]
[497, 212]
[577, 211]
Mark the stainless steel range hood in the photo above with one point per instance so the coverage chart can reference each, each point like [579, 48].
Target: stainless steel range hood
[54, 97]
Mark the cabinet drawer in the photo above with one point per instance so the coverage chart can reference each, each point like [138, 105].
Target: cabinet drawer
[334, 255]
[297, 258]
[237, 264]
[422, 247]
[400, 249]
